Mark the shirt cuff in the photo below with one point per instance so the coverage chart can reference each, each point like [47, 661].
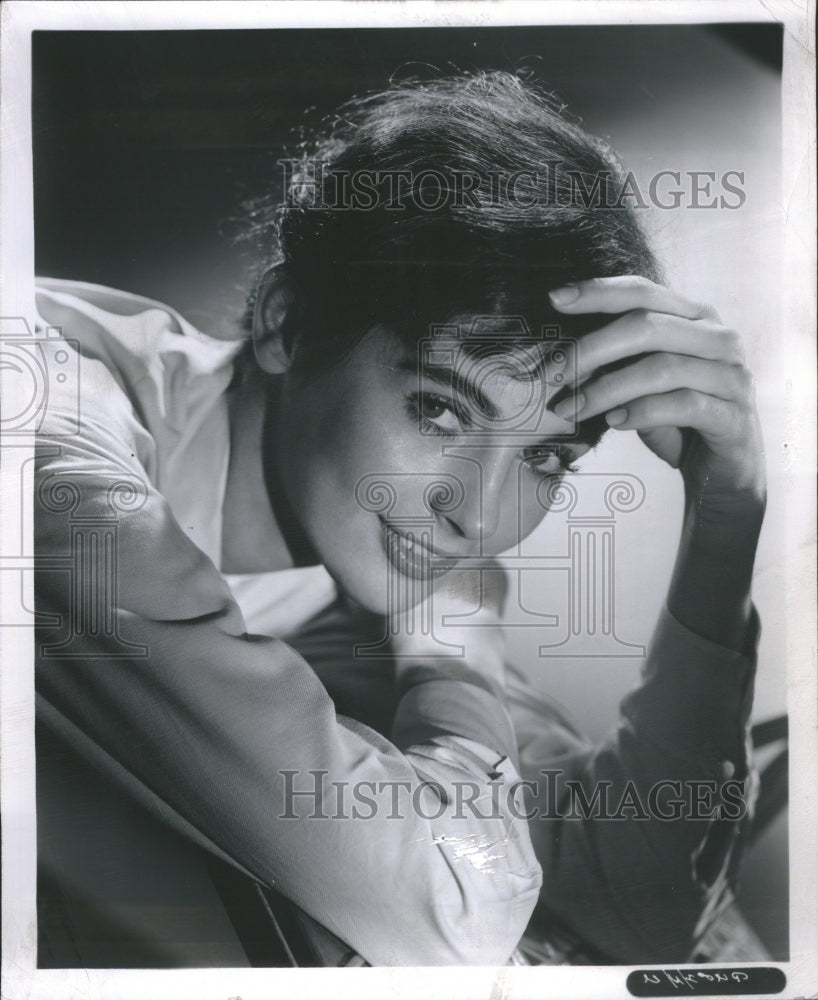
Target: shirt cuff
[670, 631]
[696, 696]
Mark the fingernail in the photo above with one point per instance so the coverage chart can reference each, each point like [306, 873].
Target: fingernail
[617, 417]
[727, 769]
[562, 296]
[570, 408]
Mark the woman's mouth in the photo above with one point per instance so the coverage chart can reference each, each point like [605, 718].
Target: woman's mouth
[410, 552]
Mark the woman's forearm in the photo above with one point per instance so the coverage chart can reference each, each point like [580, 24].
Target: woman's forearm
[711, 583]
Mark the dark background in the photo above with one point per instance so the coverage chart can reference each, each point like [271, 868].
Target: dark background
[146, 142]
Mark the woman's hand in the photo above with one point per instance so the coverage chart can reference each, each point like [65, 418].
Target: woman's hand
[680, 381]
[462, 609]
[687, 390]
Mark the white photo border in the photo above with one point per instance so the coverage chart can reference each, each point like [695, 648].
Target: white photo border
[21, 978]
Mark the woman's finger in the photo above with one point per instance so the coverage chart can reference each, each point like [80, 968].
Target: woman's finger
[658, 374]
[626, 292]
[719, 421]
[668, 443]
[643, 332]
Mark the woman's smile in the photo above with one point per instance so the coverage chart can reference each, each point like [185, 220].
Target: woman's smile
[412, 553]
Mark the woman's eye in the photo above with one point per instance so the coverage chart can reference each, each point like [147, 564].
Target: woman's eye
[548, 461]
[438, 412]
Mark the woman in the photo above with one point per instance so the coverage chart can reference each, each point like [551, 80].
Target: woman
[348, 476]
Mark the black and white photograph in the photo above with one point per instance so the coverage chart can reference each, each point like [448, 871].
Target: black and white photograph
[408, 556]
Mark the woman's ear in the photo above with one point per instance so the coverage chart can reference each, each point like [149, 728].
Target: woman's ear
[273, 316]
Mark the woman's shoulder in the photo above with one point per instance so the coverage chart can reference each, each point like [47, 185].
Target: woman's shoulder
[127, 328]
[132, 352]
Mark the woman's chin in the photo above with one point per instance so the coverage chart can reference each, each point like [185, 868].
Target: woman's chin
[383, 590]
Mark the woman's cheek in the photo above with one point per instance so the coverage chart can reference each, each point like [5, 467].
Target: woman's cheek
[531, 510]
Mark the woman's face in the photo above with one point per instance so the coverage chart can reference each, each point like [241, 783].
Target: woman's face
[398, 462]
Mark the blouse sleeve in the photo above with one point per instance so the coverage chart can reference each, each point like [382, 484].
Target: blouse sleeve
[145, 665]
[640, 836]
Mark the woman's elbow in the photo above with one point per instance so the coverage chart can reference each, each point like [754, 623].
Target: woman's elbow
[479, 913]
[488, 936]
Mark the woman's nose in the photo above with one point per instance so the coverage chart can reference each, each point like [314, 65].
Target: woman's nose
[483, 477]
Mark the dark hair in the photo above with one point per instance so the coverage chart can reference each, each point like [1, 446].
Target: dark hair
[494, 250]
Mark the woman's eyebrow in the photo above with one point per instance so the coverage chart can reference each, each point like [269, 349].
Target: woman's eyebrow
[451, 378]
[588, 433]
